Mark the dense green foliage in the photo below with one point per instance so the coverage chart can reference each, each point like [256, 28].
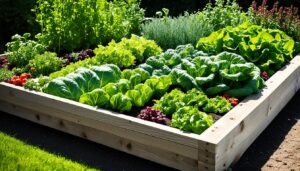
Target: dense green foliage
[5, 74]
[126, 74]
[37, 84]
[69, 25]
[190, 68]
[127, 52]
[21, 50]
[180, 6]
[170, 32]
[185, 109]
[124, 54]
[189, 118]
[83, 81]
[176, 99]
[268, 49]
[44, 64]
[16, 155]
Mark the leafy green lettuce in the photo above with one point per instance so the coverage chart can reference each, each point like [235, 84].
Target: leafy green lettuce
[97, 97]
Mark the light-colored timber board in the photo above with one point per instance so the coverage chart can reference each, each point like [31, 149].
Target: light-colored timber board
[150, 152]
[12, 93]
[218, 147]
[236, 131]
[126, 130]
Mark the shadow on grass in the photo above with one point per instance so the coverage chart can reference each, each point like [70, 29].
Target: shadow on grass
[74, 148]
[271, 138]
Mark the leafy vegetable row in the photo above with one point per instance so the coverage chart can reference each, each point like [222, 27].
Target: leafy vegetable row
[185, 109]
[123, 54]
[107, 87]
[189, 68]
[267, 48]
[122, 89]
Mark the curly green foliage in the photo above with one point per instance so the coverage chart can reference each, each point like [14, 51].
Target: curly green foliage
[189, 118]
[170, 102]
[269, 49]
[217, 105]
[37, 84]
[70, 25]
[21, 50]
[176, 99]
[127, 52]
[44, 64]
[123, 54]
[5, 74]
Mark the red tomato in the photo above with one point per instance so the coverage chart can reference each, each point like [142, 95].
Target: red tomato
[15, 77]
[14, 82]
[29, 75]
[18, 81]
[23, 76]
[24, 80]
[234, 103]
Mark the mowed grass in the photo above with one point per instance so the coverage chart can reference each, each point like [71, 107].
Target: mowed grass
[16, 155]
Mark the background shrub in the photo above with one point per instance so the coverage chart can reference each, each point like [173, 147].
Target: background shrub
[178, 7]
[75, 25]
[170, 32]
[16, 17]
[284, 18]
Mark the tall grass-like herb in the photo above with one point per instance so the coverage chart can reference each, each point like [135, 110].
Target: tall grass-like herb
[69, 25]
[170, 32]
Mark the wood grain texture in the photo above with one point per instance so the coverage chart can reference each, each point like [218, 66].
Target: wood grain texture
[147, 151]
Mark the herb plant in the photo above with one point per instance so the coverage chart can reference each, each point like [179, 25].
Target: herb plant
[44, 64]
[5, 74]
[170, 32]
[75, 25]
[21, 50]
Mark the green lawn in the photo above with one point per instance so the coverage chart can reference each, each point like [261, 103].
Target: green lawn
[17, 155]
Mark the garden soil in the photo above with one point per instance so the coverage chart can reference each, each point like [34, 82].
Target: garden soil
[277, 148]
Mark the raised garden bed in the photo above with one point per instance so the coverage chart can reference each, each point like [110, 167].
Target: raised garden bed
[215, 149]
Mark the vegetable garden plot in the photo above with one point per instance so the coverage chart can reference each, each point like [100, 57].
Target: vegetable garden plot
[215, 149]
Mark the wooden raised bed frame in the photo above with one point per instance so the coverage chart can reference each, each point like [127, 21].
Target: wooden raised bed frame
[216, 149]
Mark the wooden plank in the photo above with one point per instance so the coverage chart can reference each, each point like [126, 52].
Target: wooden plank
[159, 155]
[236, 131]
[12, 93]
[125, 133]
